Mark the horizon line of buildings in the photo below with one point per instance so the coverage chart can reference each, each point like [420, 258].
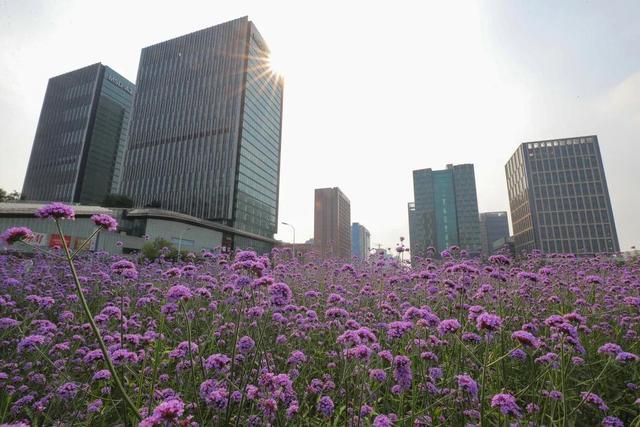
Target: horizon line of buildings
[558, 197]
[199, 135]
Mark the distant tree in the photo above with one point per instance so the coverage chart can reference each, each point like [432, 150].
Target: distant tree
[8, 197]
[117, 201]
[152, 250]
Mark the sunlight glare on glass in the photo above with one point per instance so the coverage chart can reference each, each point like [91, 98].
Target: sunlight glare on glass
[274, 65]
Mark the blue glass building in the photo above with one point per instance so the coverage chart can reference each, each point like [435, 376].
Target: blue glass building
[80, 141]
[360, 241]
[445, 210]
[206, 129]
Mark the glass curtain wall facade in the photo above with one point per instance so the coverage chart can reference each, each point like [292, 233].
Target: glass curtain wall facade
[493, 226]
[360, 241]
[81, 137]
[256, 201]
[205, 131]
[445, 210]
[559, 197]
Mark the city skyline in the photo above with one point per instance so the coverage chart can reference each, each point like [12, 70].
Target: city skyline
[542, 101]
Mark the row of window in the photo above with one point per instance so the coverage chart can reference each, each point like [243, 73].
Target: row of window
[578, 231]
[568, 190]
[568, 177]
[571, 203]
[578, 246]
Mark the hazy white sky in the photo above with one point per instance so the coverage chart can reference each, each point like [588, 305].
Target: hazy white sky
[373, 89]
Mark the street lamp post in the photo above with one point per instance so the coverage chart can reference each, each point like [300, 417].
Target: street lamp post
[180, 241]
[294, 237]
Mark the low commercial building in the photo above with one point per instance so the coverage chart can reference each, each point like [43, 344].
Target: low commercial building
[135, 228]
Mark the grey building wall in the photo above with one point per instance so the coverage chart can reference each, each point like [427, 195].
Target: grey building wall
[193, 238]
[205, 131]
[77, 151]
[559, 197]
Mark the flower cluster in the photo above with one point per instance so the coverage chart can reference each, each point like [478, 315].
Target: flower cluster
[244, 339]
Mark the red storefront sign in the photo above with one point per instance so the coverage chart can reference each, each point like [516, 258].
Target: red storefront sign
[56, 241]
[37, 239]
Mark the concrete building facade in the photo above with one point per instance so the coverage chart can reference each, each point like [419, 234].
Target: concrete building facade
[332, 223]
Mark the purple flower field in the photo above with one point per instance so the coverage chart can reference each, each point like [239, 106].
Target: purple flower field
[251, 340]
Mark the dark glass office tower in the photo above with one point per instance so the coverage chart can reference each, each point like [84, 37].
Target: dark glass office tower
[493, 226]
[206, 127]
[559, 197]
[79, 145]
[445, 210]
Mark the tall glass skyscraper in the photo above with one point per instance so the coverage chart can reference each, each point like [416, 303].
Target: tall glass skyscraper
[445, 210]
[80, 141]
[206, 129]
[559, 197]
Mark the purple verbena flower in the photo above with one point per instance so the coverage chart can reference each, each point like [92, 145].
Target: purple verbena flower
[506, 403]
[56, 210]
[325, 406]
[105, 221]
[15, 234]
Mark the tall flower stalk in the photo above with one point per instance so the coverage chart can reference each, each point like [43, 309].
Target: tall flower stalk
[94, 327]
[58, 211]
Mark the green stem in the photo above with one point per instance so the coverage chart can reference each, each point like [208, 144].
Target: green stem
[482, 386]
[86, 242]
[591, 388]
[39, 249]
[233, 360]
[94, 327]
[192, 363]
[562, 383]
